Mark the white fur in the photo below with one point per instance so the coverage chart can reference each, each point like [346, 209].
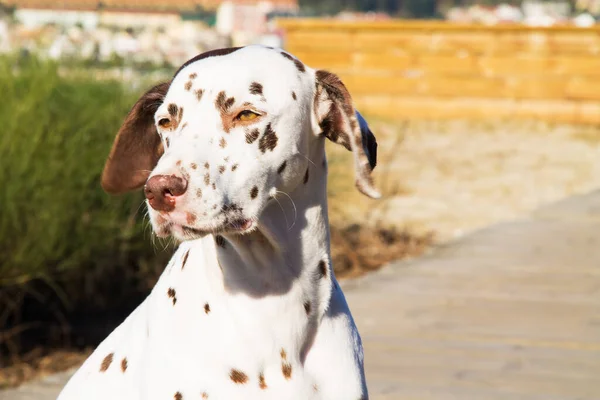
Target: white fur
[257, 285]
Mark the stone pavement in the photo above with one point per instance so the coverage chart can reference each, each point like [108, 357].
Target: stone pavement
[511, 312]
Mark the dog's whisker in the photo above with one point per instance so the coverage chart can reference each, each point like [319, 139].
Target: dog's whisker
[283, 211]
[293, 204]
[309, 160]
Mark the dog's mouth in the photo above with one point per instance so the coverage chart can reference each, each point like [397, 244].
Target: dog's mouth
[189, 232]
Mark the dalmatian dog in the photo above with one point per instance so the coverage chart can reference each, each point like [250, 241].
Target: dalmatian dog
[231, 156]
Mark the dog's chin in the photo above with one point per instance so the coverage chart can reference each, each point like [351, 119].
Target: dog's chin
[186, 232]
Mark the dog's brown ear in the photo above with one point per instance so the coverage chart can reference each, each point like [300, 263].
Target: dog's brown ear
[342, 124]
[137, 147]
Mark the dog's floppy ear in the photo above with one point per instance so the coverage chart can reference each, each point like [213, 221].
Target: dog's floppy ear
[342, 124]
[137, 147]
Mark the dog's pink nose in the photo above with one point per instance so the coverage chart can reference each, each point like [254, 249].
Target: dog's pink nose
[162, 190]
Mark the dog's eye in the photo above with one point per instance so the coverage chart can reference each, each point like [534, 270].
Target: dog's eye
[246, 115]
[164, 123]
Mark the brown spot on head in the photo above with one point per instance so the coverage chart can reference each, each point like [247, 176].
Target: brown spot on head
[178, 163]
[220, 241]
[223, 103]
[281, 167]
[207, 178]
[221, 169]
[306, 176]
[177, 396]
[193, 165]
[296, 62]
[261, 381]
[234, 167]
[199, 94]
[106, 362]
[269, 140]
[185, 257]
[193, 75]
[252, 135]
[172, 294]
[206, 165]
[214, 186]
[307, 307]
[207, 308]
[222, 143]
[294, 95]
[286, 369]
[283, 354]
[188, 85]
[190, 217]
[173, 110]
[124, 364]
[204, 395]
[256, 88]
[238, 376]
[322, 267]
[199, 192]
[226, 159]
[254, 192]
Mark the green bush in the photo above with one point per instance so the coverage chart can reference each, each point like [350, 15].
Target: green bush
[57, 226]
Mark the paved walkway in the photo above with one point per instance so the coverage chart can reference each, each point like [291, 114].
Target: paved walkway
[511, 312]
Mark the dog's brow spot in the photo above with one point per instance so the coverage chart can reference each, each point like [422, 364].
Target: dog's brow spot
[172, 294]
[256, 88]
[207, 308]
[193, 165]
[261, 381]
[220, 241]
[294, 95]
[106, 362]
[306, 176]
[178, 396]
[238, 376]
[268, 141]
[193, 75]
[252, 135]
[173, 109]
[221, 169]
[124, 364]
[199, 193]
[199, 94]
[207, 178]
[322, 269]
[188, 85]
[234, 167]
[222, 143]
[281, 167]
[223, 103]
[254, 192]
[307, 307]
[286, 369]
[187, 253]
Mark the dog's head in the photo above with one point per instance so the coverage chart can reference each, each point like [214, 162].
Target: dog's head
[233, 126]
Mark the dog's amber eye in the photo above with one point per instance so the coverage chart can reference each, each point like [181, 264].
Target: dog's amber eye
[164, 123]
[247, 115]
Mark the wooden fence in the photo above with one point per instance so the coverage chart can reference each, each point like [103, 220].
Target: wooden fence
[409, 69]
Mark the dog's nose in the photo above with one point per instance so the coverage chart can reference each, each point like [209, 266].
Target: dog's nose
[162, 190]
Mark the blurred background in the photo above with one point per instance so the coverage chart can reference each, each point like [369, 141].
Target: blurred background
[483, 110]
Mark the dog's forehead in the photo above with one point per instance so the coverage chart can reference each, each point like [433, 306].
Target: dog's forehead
[236, 70]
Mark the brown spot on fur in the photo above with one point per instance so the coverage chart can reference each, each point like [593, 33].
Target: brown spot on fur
[199, 193]
[178, 163]
[252, 135]
[193, 165]
[234, 167]
[254, 192]
[188, 85]
[220, 241]
[193, 75]
[124, 364]
[187, 253]
[256, 88]
[173, 110]
[178, 396]
[222, 143]
[207, 308]
[106, 362]
[296, 62]
[286, 369]
[226, 159]
[238, 376]
[269, 140]
[221, 169]
[283, 354]
[206, 165]
[199, 94]
[307, 307]
[261, 381]
[204, 395]
[167, 142]
[214, 207]
[322, 269]
[281, 167]
[294, 96]
[306, 176]
[214, 186]
[172, 294]
[223, 103]
[184, 126]
[207, 178]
